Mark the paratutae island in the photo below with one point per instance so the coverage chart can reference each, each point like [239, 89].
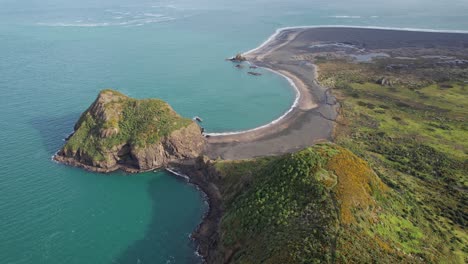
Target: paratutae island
[119, 132]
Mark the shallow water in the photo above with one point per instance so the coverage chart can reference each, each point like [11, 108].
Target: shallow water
[55, 55]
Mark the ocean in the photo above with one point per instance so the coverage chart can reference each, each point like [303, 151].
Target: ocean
[55, 55]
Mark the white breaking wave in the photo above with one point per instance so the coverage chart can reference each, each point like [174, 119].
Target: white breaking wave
[164, 6]
[118, 18]
[60, 24]
[352, 17]
[153, 15]
[132, 22]
[117, 12]
[344, 16]
[178, 174]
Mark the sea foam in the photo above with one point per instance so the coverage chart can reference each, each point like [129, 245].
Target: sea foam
[117, 21]
[344, 16]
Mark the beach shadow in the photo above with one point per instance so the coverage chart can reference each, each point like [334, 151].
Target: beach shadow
[54, 130]
[147, 249]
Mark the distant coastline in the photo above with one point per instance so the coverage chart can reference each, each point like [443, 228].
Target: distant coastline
[312, 103]
[279, 30]
[291, 82]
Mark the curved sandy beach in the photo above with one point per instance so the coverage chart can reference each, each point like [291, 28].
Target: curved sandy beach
[311, 117]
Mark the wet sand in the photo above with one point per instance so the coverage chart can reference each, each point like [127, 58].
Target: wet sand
[309, 121]
[312, 119]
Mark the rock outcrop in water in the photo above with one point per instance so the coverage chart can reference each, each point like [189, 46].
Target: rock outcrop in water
[238, 58]
[119, 132]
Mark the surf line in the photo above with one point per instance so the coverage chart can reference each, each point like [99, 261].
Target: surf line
[294, 105]
[178, 173]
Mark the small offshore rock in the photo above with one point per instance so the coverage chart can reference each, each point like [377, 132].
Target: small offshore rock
[254, 73]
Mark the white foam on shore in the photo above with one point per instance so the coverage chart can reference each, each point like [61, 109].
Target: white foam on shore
[60, 24]
[291, 82]
[294, 105]
[177, 173]
[205, 199]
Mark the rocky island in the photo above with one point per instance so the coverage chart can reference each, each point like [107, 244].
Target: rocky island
[119, 132]
[368, 166]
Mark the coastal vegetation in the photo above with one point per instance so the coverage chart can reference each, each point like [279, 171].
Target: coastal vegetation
[390, 189]
[123, 119]
[414, 135]
[320, 205]
[117, 130]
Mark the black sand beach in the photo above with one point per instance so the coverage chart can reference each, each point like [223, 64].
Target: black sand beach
[313, 118]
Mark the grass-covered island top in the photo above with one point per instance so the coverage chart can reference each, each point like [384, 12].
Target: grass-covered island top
[115, 128]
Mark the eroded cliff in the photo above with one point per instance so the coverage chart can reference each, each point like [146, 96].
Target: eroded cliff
[119, 132]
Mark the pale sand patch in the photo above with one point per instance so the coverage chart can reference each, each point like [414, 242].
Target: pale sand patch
[306, 101]
[267, 50]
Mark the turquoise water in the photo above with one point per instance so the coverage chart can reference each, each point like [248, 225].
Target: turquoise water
[56, 55]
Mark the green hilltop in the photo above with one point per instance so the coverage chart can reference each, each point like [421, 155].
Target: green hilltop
[322, 204]
[115, 119]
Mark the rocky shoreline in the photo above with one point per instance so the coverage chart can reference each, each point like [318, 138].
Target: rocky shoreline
[205, 177]
[121, 133]
[311, 121]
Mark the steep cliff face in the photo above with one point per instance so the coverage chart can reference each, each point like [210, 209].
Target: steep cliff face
[119, 132]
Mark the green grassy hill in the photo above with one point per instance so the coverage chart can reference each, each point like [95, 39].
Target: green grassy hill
[322, 204]
[414, 134]
[392, 189]
[119, 132]
[115, 118]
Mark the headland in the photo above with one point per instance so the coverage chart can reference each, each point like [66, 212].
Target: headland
[390, 96]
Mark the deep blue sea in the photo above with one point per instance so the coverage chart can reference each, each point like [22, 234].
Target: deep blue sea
[55, 55]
